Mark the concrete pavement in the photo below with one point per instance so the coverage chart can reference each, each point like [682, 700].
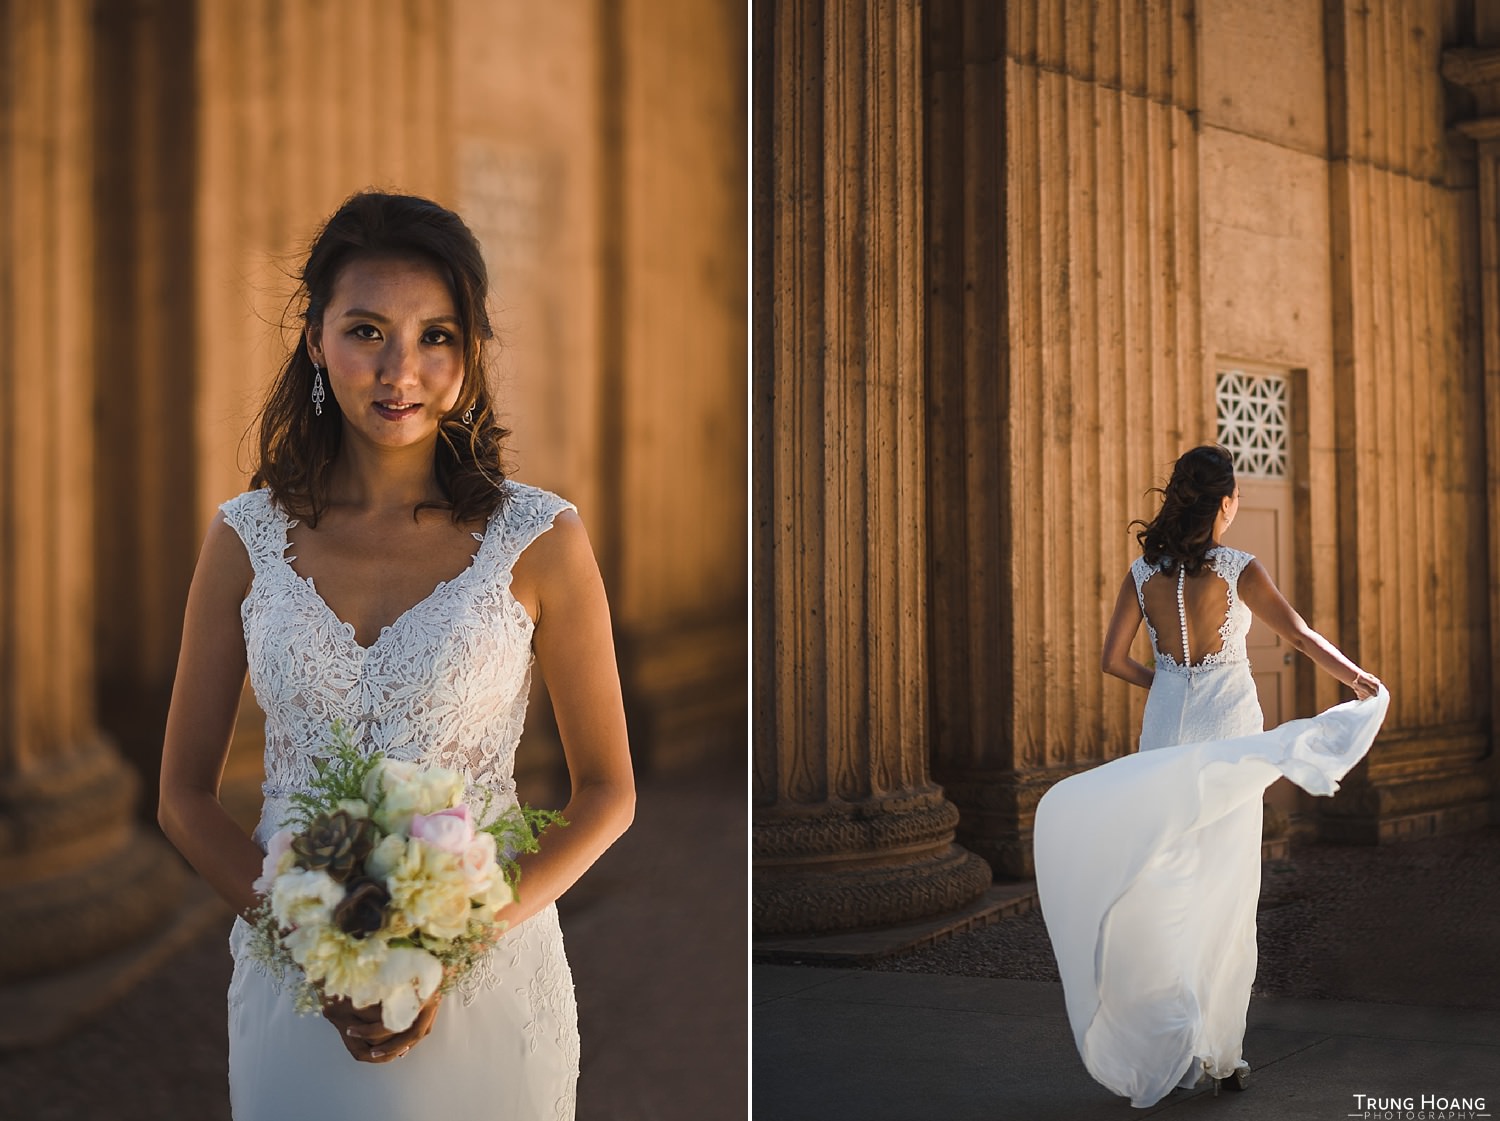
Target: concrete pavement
[857, 1045]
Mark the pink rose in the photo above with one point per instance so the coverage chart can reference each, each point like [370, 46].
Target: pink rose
[445, 830]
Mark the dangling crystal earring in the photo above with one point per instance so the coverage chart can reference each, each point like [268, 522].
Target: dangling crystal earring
[469, 415]
[318, 396]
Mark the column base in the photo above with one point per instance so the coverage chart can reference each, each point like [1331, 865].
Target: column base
[42, 1011]
[1421, 785]
[79, 878]
[997, 811]
[852, 866]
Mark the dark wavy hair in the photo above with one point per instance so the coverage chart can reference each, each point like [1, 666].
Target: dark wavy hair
[298, 447]
[1182, 532]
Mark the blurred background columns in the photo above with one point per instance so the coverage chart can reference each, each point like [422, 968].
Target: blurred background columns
[166, 163]
[81, 880]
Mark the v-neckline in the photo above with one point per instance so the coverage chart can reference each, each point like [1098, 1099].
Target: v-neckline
[348, 629]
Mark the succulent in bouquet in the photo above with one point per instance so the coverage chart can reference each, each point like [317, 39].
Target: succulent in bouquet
[386, 883]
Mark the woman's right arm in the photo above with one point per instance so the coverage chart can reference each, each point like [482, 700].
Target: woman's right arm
[1265, 601]
[200, 723]
[1123, 625]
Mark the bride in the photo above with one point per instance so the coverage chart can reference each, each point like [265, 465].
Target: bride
[1148, 867]
[386, 573]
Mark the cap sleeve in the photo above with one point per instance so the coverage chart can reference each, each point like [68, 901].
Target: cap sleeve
[526, 514]
[254, 518]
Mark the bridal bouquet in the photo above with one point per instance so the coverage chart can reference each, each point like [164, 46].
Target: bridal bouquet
[383, 888]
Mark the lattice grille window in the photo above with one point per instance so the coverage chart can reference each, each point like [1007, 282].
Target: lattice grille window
[1253, 422]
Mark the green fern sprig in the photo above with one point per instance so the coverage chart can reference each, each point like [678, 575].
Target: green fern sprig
[517, 831]
[342, 775]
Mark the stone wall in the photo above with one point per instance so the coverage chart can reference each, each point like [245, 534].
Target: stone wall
[1118, 198]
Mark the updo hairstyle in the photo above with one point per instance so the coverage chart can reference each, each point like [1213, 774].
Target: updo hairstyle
[298, 446]
[1182, 532]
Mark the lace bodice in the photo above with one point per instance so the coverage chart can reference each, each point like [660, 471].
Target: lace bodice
[1227, 564]
[446, 683]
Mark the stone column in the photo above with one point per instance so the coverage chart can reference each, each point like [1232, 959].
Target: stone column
[1477, 70]
[1413, 597]
[1065, 374]
[848, 829]
[79, 879]
[146, 536]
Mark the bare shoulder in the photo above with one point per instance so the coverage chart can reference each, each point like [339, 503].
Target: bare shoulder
[562, 552]
[558, 569]
[223, 561]
[1254, 576]
[1260, 593]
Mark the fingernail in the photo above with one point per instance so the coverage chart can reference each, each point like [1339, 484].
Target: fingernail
[349, 1031]
[377, 1054]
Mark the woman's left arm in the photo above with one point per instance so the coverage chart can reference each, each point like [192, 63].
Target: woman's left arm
[557, 580]
[1266, 603]
[1115, 657]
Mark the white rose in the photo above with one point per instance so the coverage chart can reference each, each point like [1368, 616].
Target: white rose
[354, 807]
[500, 895]
[304, 898]
[391, 772]
[406, 790]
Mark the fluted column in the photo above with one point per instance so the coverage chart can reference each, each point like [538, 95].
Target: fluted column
[145, 536]
[1477, 70]
[849, 830]
[1065, 375]
[78, 877]
[1412, 501]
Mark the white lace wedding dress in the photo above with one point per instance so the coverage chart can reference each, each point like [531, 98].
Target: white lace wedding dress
[1148, 867]
[446, 683]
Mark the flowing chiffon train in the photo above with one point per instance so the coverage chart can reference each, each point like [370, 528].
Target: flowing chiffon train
[1148, 872]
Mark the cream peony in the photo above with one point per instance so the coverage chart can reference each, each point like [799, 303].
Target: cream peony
[368, 971]
[302, 898]
[344, 966]
[429, 886]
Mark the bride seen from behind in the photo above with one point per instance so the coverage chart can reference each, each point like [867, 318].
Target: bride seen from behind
[1199, 504]
[388, 575]
[1148, 866]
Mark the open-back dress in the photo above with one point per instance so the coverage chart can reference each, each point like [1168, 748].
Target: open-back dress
[1148, 867]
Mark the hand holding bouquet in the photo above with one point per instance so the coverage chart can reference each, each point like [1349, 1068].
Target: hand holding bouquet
[383, 888]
